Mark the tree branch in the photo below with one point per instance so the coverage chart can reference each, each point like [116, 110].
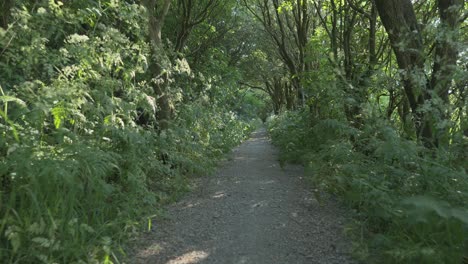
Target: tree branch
[252, 86]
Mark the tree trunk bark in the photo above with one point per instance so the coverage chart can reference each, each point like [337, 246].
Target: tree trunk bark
[160, 63]
[445, 60]
[400, 22]
[5, 7]
[446, 51]
[372, 37]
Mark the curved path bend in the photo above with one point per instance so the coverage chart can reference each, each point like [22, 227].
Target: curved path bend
[251, 211]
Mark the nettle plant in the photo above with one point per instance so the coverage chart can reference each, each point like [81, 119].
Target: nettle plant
[81, 155]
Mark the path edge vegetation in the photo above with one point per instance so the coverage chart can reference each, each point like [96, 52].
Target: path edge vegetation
[103, 121]
[398, 164]
[106, 107]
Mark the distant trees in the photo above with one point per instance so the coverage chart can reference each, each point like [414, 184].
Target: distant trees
[416, 41]
[184, 15]
[289, 25]
[190, 13]
[386, 122]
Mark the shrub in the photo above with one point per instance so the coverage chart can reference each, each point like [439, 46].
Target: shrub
[410, 201]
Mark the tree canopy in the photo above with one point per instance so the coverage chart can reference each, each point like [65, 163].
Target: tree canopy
[108, 107]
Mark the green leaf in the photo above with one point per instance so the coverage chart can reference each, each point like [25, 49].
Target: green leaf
[43, 242]
[14, 238]
[12, 125]
[59, 112]
[425, 204]
[7, 98]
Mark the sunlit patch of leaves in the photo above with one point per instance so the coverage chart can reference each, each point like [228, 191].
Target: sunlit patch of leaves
[78, 172]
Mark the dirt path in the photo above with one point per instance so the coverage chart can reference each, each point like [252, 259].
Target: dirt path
[250, 211]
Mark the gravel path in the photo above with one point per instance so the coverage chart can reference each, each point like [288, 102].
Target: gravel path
[250, 211]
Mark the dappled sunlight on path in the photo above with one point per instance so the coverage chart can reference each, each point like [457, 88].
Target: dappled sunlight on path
[250, 211]
[189, 258]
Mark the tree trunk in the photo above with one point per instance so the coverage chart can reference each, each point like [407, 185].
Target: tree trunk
[334, 31]
[160, 63]
[372, 37]
[275, 95]
[290, 31]
[192, 13]
[446, 55]
[5, 7]
[400, 22]
[446, 51]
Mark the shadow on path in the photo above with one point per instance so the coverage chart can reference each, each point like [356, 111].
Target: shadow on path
[250, 211]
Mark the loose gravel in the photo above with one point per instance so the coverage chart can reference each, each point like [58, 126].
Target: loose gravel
[250, 211]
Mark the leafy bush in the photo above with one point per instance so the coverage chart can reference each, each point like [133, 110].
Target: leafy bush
[77, 164]
[410, 201]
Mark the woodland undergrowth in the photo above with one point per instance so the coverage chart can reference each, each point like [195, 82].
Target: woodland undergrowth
[83, 164]
[409, 202]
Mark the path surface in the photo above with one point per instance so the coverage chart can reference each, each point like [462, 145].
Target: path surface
[250, 211]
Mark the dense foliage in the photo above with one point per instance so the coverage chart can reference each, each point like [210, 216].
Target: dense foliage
[410, 203]
[107, 107]
[384, 127]
[84, 161]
